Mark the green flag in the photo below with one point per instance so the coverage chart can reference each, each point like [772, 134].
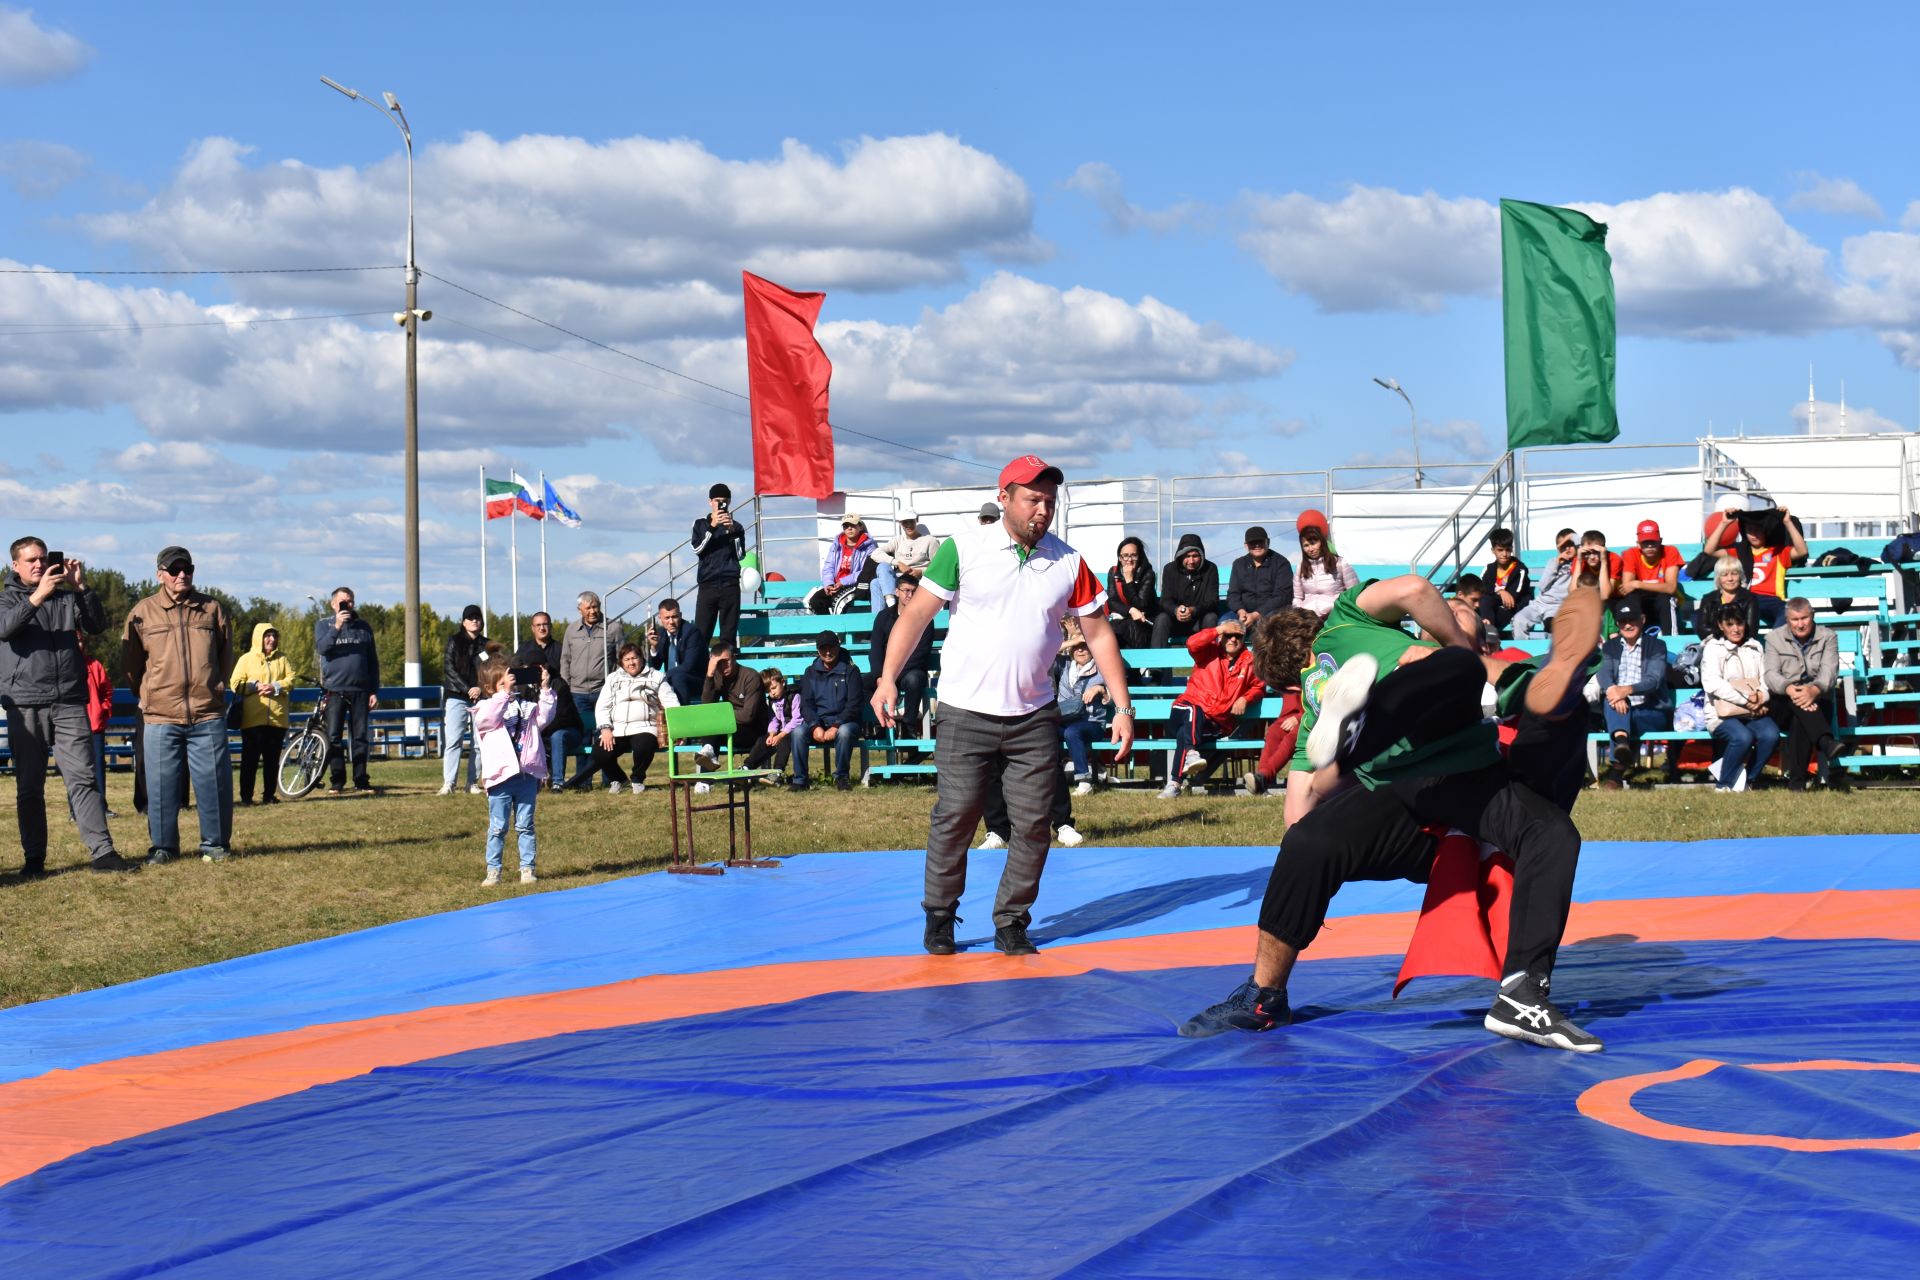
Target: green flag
[1556, 295]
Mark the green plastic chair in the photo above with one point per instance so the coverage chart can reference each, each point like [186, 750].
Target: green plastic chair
[693, 724]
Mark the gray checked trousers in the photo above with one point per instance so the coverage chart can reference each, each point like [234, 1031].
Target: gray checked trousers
[63, 730]
[967, 744]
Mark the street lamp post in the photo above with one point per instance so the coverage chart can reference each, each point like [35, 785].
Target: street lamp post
[1393, 385]
[410, 321]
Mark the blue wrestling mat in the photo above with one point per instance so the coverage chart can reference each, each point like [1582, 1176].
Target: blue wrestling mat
[759, 1074]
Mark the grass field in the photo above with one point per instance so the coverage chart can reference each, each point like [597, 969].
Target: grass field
[327, 865]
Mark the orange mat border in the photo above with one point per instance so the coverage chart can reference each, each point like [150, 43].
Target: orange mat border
[50, 1117]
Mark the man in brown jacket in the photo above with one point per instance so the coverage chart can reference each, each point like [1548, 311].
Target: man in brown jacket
[175, 652]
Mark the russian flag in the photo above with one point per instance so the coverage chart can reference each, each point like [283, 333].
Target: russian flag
[504, 497]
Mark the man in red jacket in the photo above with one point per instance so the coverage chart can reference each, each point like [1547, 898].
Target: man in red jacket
[1222, 684]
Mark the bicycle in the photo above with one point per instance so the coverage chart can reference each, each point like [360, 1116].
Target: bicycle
[304, 758]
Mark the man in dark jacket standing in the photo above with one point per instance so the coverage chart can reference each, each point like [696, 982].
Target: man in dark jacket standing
[1261, 582]
[43, 686]
[459, 691]
[721, 542]
[832, 705]
[677, 652]
[1189, 593]
[350, 671]
[918, 669]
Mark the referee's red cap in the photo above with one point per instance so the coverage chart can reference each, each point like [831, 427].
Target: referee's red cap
[1026, 470]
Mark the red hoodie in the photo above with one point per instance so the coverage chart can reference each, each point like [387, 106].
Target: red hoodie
[1217, 683]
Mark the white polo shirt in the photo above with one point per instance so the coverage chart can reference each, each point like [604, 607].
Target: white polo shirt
[1005, 605]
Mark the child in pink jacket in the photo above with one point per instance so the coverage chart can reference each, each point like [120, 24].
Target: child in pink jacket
[513, 759]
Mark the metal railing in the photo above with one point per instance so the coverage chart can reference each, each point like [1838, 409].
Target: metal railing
[670, 574]
[1493, 502]
[1195, 504]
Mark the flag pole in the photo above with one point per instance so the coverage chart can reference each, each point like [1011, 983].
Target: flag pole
[543, 546]
[484, 624]
[513, 562]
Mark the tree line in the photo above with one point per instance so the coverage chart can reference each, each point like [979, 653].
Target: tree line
[295, 626]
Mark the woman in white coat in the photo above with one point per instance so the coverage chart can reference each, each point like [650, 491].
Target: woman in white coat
[1733, 677]
[632, 715]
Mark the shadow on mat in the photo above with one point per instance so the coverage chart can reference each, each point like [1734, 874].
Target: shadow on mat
[1150, 902]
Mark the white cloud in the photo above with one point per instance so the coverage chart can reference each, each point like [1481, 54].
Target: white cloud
[631, 237]
[1834, 195]
[31, 54]
[1860, 419]
[93, 501]
[1102, 183]
[1376, 249]
[40, 170]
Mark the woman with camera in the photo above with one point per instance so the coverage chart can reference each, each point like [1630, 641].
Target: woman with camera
[1733, 676]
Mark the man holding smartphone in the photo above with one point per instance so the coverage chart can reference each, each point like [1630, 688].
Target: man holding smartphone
[721, 543]
[43, 686]
[350, 672]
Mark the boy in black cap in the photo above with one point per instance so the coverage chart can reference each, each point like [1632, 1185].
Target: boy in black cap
[1261, 582]
[721, 543]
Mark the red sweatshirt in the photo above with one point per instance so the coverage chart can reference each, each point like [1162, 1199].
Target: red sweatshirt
[1217, 683]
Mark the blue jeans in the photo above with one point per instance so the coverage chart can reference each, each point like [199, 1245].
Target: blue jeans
[456, 720]
[200, 750]
[845, 735]
[563, 745]
[1080, 735]
[511, 803]
[1635, 721]
[1769, 611]
[1744, 744]
[886, 579]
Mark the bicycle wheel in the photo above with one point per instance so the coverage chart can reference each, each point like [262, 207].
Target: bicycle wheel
[302, 763]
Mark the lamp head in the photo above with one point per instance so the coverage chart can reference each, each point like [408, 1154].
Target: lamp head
[393, 103]
[1391, 384]
[337, 87]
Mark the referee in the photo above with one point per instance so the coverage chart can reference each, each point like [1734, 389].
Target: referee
[1007, 586]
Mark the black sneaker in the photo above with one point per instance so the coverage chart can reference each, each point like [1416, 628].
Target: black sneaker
[1523, 1012]
[843, 784]
[113, 862]
[34, 871]
[1012, 940]
[1250, 1008]
[938, 939]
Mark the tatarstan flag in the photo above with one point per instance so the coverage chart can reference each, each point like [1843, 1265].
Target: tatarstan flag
[504, 497]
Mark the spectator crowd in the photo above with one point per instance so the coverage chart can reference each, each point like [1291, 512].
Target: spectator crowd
[1742, 660]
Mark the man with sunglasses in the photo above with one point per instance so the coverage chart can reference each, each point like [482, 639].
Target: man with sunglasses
[43, 686]
[176, 649]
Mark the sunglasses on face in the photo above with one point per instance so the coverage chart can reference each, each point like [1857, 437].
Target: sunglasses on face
[178, 570]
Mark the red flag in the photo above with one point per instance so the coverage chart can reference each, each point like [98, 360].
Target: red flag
[1463, 923]
[787, 376]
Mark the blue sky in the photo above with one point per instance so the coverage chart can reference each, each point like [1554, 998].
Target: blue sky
[1133, 239]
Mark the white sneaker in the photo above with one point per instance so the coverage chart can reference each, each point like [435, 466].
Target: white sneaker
[991, 841]
[1083, 789]
[1170, 792]
[474, 788]
[1343, 710]
[701, 788]
[493, 878]
[1194, 763]
[707, 755]
[445, 791]
[635, 788]
[1067, 836]
[527, 876]
[613, 788]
